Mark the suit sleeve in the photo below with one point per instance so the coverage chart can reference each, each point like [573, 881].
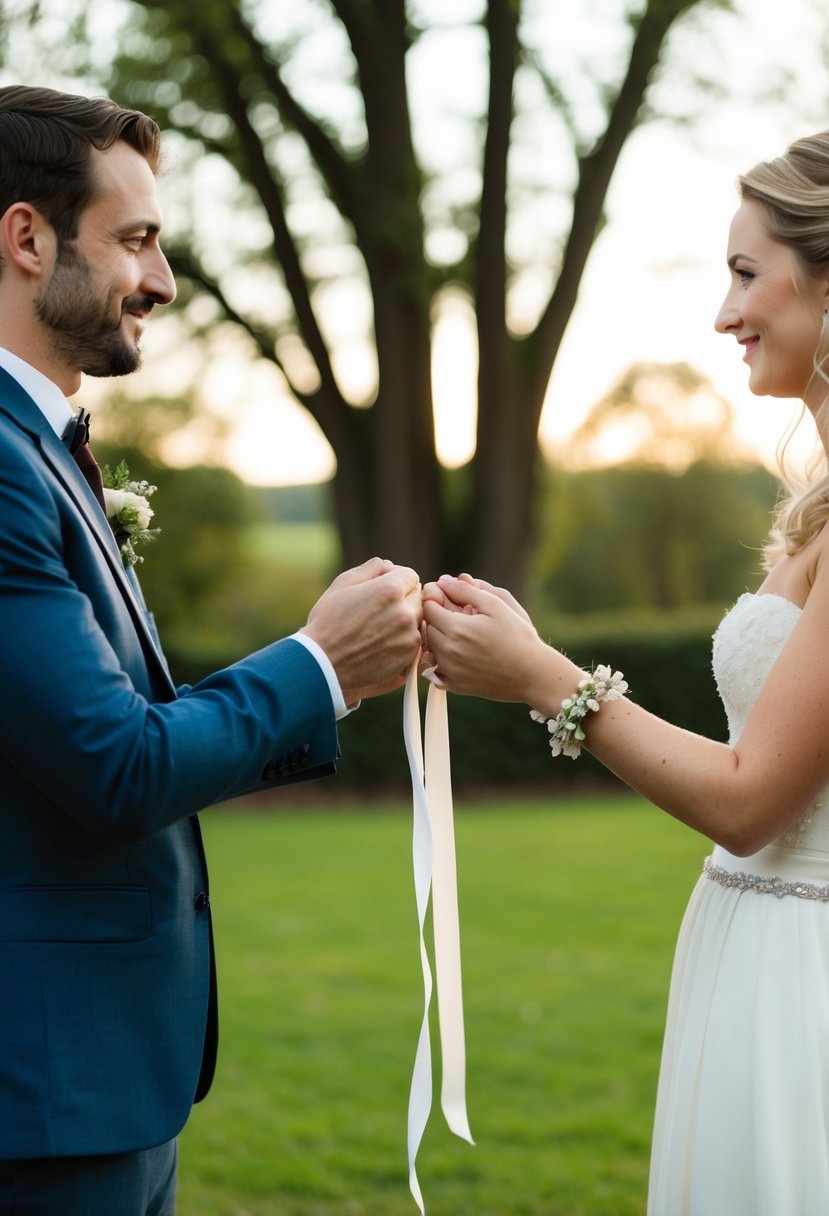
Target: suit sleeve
[77, 727]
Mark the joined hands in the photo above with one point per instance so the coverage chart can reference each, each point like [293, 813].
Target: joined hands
[470, 636]
[477, 638]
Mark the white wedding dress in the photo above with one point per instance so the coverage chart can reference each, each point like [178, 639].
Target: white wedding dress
[742, 1111]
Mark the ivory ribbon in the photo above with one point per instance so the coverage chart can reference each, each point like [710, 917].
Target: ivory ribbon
[433, 857]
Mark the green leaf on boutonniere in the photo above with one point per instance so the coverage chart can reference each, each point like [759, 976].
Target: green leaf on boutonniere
[128, 510]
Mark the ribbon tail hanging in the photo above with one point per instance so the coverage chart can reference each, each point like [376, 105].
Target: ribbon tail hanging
[420, 1093]
[445, 917]
[435, 873]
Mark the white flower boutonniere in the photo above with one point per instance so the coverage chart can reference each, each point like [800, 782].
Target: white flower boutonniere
[128, 511]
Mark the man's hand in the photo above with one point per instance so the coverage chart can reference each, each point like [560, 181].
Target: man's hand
[368, 623]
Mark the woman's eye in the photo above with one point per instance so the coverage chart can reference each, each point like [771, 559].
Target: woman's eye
[745, 276]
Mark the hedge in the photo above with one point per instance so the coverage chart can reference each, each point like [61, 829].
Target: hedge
[666, 660]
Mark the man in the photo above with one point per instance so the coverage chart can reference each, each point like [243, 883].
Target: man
[107, 991]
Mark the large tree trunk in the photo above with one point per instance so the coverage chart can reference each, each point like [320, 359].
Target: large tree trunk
[504, 465]
[514, 372]
[388, 489]
[404, 516]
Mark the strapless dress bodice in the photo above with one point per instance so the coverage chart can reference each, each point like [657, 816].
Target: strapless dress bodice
[746, 645]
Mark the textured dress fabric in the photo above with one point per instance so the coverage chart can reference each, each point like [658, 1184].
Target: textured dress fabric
[742, 1112]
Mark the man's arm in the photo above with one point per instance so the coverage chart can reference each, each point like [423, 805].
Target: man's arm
[73, 723]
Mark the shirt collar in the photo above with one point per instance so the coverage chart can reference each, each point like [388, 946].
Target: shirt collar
[43, 391]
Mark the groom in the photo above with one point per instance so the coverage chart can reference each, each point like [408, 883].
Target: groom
[107, 981]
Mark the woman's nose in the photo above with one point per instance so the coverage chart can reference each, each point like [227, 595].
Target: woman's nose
[728, 317]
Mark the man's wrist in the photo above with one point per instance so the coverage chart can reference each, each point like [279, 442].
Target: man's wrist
[341, 710]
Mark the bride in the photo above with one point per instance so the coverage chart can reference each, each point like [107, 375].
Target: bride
[742, 1112]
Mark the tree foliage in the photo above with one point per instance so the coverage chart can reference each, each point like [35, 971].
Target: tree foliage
[665, 511]
[300, 119]
[643, 537]
[665, 414]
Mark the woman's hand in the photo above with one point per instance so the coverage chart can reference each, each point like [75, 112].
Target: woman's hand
[480, 639]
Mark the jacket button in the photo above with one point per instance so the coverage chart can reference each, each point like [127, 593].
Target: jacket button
[202, 901]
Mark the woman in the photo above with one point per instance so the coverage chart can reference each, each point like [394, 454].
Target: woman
[742, 1116]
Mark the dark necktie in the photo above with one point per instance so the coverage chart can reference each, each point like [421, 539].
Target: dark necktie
[76, 437]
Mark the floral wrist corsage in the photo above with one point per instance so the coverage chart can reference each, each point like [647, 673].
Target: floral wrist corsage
[566, 732]
[128, 511]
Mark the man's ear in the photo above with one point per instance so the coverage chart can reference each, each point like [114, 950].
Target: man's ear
[27, 240]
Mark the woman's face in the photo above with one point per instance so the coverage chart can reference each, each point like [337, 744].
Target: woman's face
[773, 308]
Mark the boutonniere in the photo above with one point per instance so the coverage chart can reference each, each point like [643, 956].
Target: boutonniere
[128, 511]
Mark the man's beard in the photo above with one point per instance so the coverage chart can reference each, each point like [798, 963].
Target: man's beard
[83, 332]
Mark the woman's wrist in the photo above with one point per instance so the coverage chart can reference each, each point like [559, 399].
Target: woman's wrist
[566, 728]
[550, 678]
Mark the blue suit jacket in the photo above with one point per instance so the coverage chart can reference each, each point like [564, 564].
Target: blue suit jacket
[107, 997]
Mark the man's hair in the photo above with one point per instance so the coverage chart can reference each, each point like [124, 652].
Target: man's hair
[46, 138]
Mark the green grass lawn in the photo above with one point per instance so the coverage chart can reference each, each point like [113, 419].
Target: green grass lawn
[309, 547]
[569, 913]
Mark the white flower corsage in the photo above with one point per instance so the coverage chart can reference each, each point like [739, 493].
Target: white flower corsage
[128, 511]
[566, 733]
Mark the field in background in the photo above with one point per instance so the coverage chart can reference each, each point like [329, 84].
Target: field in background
[296, 547]
[569, 912]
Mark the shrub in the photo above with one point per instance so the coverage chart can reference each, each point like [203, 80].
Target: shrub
[666, 659]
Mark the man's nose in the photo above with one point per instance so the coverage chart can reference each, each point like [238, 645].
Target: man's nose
[158, 280]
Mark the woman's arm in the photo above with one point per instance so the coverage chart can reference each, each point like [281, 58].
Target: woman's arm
[741, 797]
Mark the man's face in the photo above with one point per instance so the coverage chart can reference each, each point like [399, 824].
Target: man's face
[105, 282]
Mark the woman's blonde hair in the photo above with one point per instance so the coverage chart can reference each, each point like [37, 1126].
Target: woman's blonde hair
[794, 191]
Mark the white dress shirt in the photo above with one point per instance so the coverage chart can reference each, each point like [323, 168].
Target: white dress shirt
[44, 392]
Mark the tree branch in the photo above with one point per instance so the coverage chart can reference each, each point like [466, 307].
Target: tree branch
[327, 155]
[267, 185]
[555, 95]
[595, 171]
[340, 423]
[490, 262]
[185, 265]
[332, 416]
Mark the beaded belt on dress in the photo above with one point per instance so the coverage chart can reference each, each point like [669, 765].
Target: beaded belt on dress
[764, 885]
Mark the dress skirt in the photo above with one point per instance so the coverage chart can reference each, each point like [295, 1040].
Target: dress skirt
[742, 1112]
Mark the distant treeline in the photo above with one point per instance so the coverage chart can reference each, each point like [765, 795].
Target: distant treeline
[645, 537]
[294, 504]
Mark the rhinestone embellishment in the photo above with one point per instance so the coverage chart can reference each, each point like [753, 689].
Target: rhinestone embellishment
[761, 885]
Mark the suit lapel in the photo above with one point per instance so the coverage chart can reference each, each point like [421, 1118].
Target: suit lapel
[20, 408]
[73, 482]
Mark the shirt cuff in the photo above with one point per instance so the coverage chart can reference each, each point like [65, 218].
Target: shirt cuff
[341, 710]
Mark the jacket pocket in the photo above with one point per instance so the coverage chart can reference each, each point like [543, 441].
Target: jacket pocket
[75, 914]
